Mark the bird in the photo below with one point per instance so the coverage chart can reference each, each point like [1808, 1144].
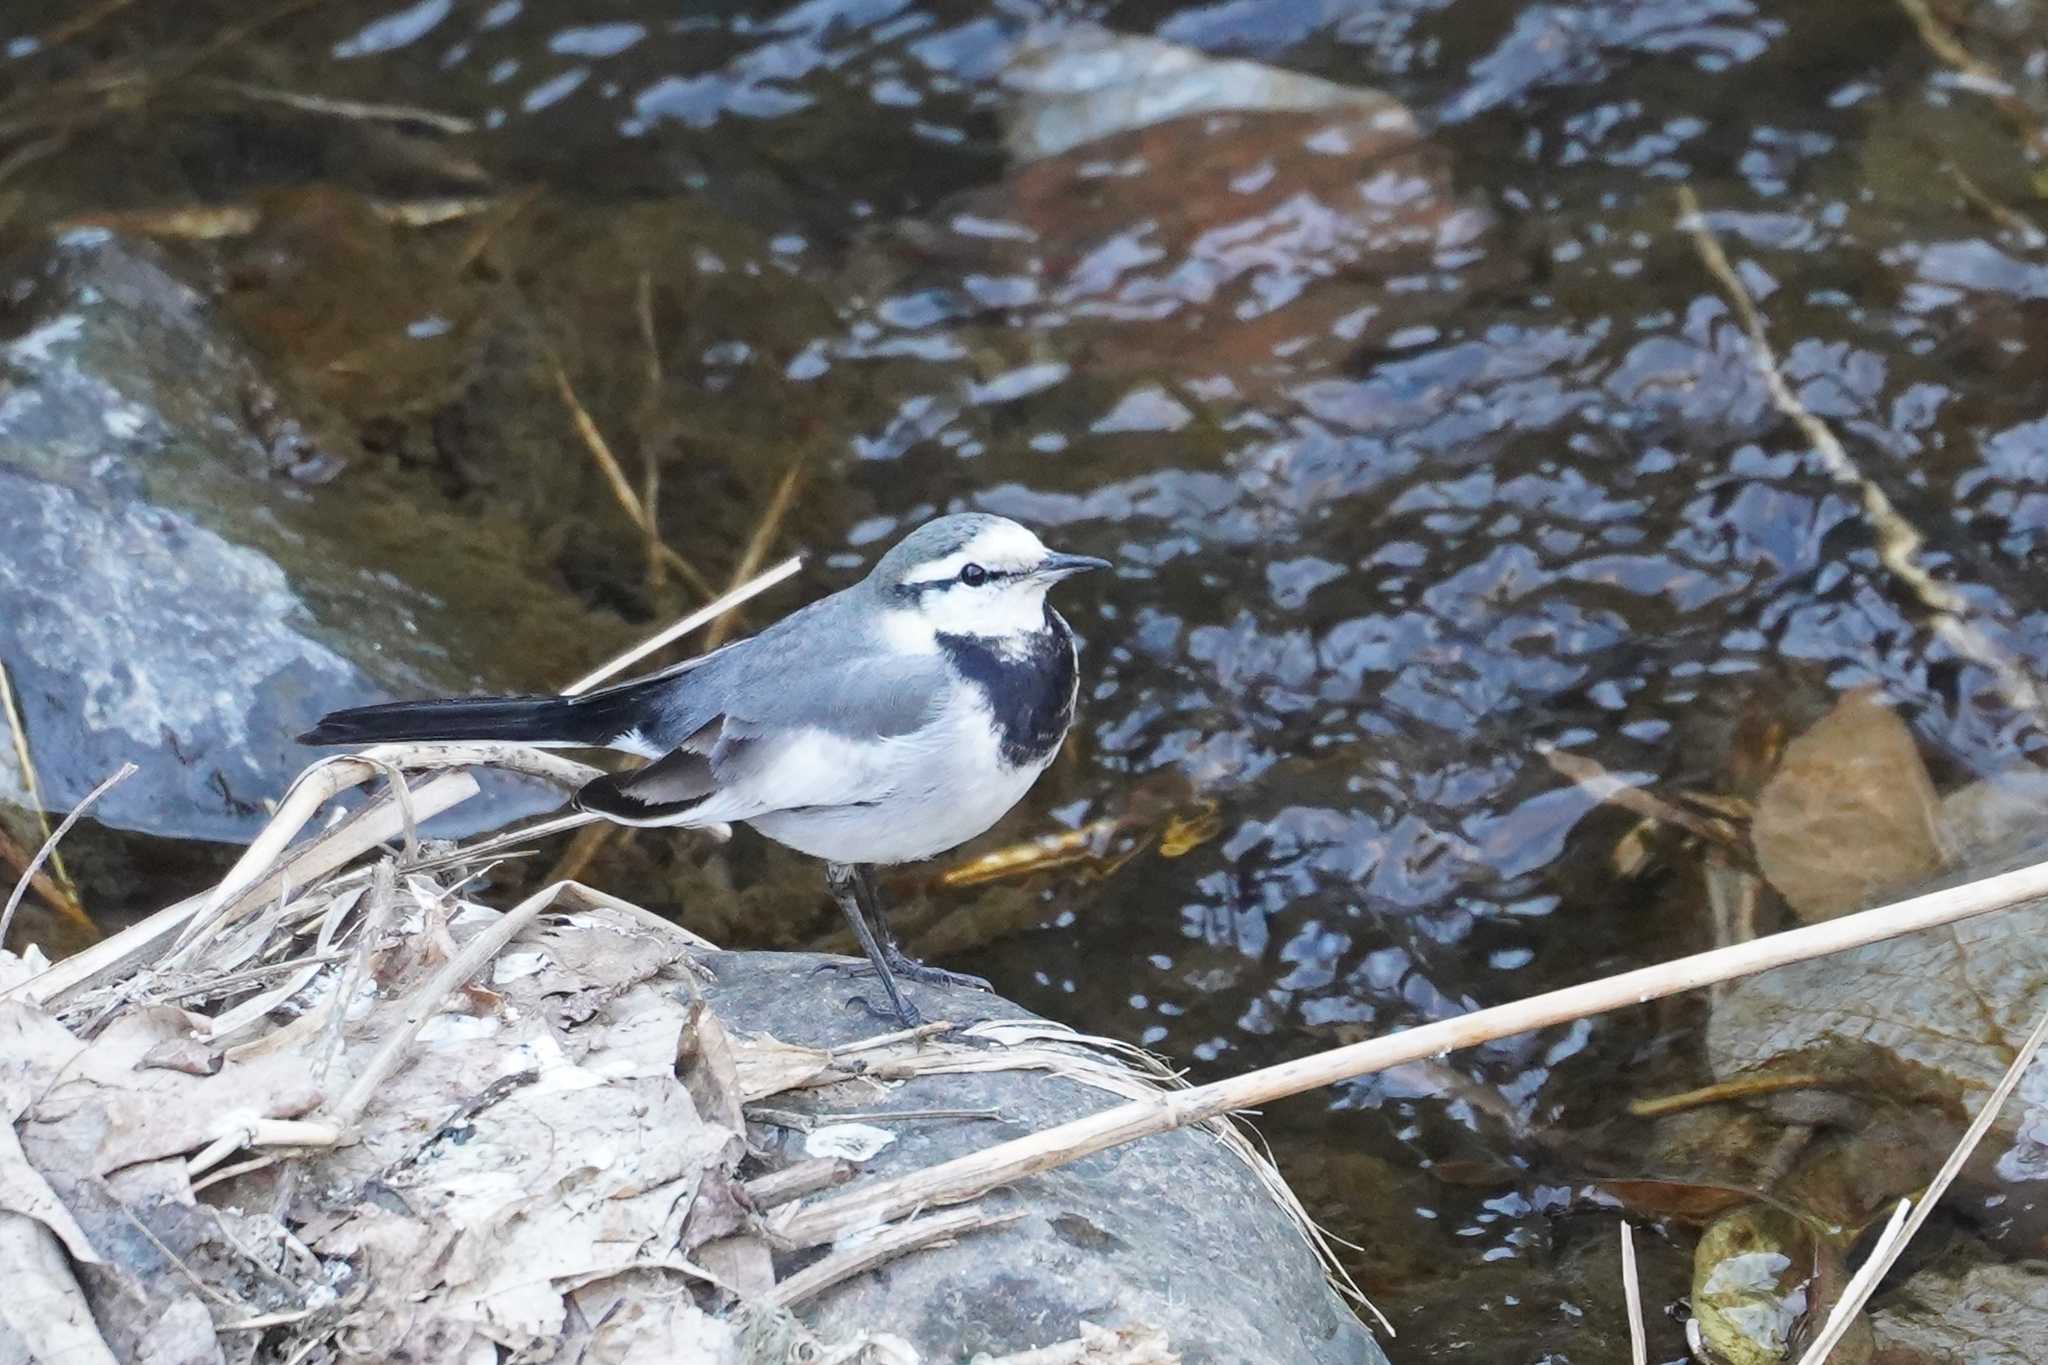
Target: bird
[886, 723]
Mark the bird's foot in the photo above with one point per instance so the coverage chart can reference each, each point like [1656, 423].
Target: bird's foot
[909, 969]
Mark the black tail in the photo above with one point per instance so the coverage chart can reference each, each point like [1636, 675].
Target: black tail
[594, 720]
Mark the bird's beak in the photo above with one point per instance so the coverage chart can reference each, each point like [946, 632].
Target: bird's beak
[1054, 567]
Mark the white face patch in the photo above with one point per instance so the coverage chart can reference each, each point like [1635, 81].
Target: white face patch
[1002, 606]
[1008, 606]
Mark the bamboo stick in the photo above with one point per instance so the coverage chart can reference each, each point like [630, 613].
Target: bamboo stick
[970, 1176]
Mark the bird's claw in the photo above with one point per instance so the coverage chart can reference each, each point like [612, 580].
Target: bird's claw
[939, 976]
[907, 1017]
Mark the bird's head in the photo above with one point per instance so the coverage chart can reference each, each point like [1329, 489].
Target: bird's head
[971, 574]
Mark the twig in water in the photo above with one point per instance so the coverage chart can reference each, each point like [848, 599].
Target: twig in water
[615, 476]
[1898, 541]
[80, 24]
[1887, 1251]
[1976, 75]
[354, 110]
[970, 1176]
[50, 846]
[583, 850]
[1600, 784]
[1632, 1294]
[1740, 1087]
[650, 409]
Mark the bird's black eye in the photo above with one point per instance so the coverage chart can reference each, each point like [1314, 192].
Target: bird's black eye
[973, 575]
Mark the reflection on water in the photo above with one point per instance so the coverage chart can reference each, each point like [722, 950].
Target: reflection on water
[1419, 435]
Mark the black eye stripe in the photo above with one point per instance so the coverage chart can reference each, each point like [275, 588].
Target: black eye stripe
[925, 585]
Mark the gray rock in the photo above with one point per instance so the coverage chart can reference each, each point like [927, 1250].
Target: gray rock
[1988, 1315]
[1171, 1232]
[167, 595]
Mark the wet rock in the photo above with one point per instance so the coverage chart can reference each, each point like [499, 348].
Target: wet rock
[1215, 221]
[1171, 1232]
[171, 593]
[1956, 1002]
[1079, 82]
[1989, 1315]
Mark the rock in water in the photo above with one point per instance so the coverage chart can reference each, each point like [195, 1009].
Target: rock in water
[1235, 225]
[166, 594]
[1171, 1232]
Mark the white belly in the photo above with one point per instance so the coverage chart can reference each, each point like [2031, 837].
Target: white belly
[916, 797]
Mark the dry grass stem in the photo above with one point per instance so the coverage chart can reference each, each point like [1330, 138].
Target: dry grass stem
[17, 730]
[1898, 542]
[969, 1177]
[359, 111]
[49, 848]
[641, 515]
[757, 546]
[1632, 1295]
[13, 855]
[710, 611]
[427, 1001]
[820, 1276]
[116, 957]
[80, 24]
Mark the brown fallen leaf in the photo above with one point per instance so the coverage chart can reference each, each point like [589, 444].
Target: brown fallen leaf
[1850, 814]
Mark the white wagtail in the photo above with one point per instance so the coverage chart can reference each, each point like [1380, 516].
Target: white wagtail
[886, 723]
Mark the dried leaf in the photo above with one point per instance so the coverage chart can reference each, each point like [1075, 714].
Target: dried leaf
[1850, 813]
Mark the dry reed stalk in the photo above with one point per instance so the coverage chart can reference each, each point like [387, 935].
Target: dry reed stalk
[969, 1177]
[710, 611]
[1632, 1295]
[148, 939]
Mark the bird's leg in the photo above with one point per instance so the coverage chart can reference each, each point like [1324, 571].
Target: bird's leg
[906, 967]
[845, 881]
